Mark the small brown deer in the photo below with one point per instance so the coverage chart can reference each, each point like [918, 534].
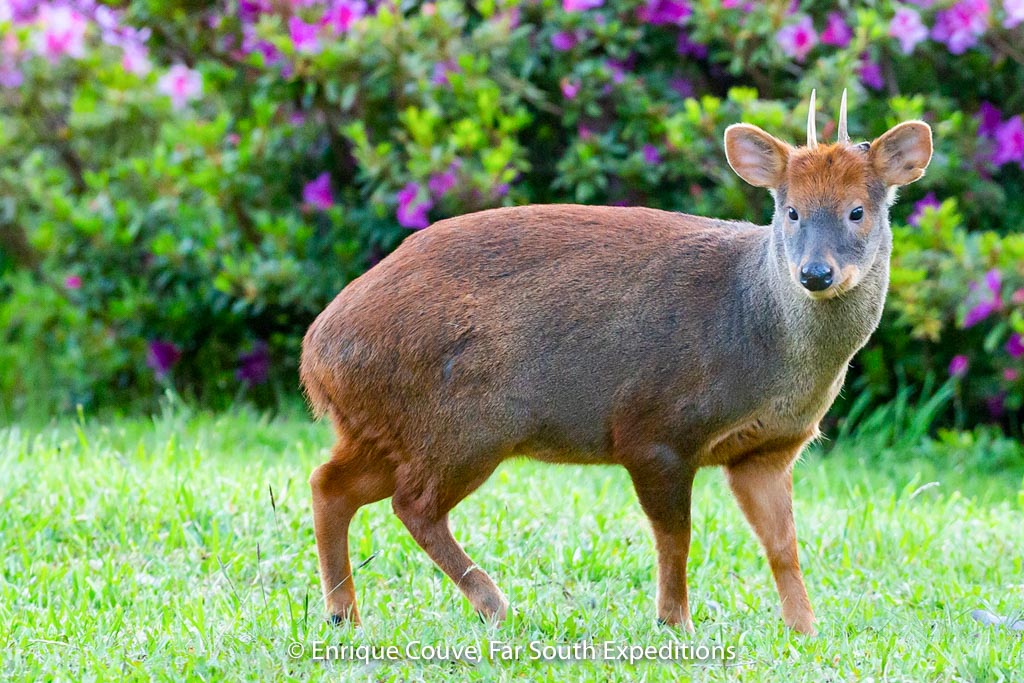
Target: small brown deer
[658, 341]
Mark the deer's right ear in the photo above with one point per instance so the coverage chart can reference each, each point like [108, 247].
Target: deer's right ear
[756, 156]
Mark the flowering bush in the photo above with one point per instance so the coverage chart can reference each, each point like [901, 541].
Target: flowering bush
[184, 186]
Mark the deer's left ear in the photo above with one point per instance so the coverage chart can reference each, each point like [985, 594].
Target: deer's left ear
[902, 154]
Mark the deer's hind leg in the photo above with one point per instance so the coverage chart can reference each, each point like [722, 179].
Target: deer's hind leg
[353, 477]
[424, 496]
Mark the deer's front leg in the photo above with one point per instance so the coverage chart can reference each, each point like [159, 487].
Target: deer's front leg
[663, 486]
[763, 486]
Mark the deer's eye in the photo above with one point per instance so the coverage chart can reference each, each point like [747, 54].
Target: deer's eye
[793, 215]
[857, 214]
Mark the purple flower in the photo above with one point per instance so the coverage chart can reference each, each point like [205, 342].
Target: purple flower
[686, 47]
[927, 202]
[570, 88]
[317, 192]
[797, 40]
[303, 35]
[989, 302]
[1015, 345]
[61, 32]
[1014, 12]
[989, 117]
[958, 366]
[836, 31]
[906, 26]
[161, 356]
[440, 183]
[343, 14]
[617, 69]
[250, 10]
[563, 40]
[439, 74]
[254, 366]
[870, 73]
[580, 5]
[682, 86]
[960, 26]
[10, 76]
[652, 156]
[1009, 142]
[181, 84]
[996, 404]
[413, 207]
[73, 282]
[658, 12]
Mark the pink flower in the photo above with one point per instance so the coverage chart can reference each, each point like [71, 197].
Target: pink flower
[1009, 142]
[652, 156]
[570, 88]
[135, 60]
[836, 31]
[1011, 375]
[181, 84]
[1018, 297]
[870, 73]
[413, 207]
[960, 26]
[990, 301]
[61, 32]
[73, 282]
[1015, 345]
[906, 26]
[317, 192]
[343, 14]
[1014, 10]
[580, 5]
[958, 366]
[658, 12]
[563, 40]
[797, 40]
[303, 35]
[927, 202]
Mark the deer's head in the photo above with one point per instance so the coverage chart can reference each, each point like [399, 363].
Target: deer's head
[831, 201]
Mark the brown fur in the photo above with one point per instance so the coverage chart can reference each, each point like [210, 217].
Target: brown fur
[657, 341]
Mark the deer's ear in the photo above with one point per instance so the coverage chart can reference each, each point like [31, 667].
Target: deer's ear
[902, 154]
[756, 156]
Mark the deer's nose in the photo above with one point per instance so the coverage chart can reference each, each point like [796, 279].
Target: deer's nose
[816, 276]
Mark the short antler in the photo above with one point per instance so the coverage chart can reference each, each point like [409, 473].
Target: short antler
[844, 136]
[812, 133]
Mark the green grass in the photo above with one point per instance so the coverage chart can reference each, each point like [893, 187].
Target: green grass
[182, 548]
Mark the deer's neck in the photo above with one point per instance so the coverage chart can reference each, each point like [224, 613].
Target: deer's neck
[826, 334]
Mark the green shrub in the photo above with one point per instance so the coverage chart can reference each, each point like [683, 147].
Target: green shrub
[176, 208]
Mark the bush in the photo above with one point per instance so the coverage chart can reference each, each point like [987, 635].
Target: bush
[186, 185]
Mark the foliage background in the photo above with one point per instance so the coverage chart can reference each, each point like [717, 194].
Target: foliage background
[184, 185]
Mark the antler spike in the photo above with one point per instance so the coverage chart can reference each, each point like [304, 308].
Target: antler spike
[812, 133]
[843, 135]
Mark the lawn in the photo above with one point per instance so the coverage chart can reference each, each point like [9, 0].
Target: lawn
[181, 548]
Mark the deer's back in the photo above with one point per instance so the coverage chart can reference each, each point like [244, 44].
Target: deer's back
[542, 327]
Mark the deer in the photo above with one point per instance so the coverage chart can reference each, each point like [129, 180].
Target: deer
[658, 341]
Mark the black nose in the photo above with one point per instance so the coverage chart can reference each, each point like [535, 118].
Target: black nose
[816, 276]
